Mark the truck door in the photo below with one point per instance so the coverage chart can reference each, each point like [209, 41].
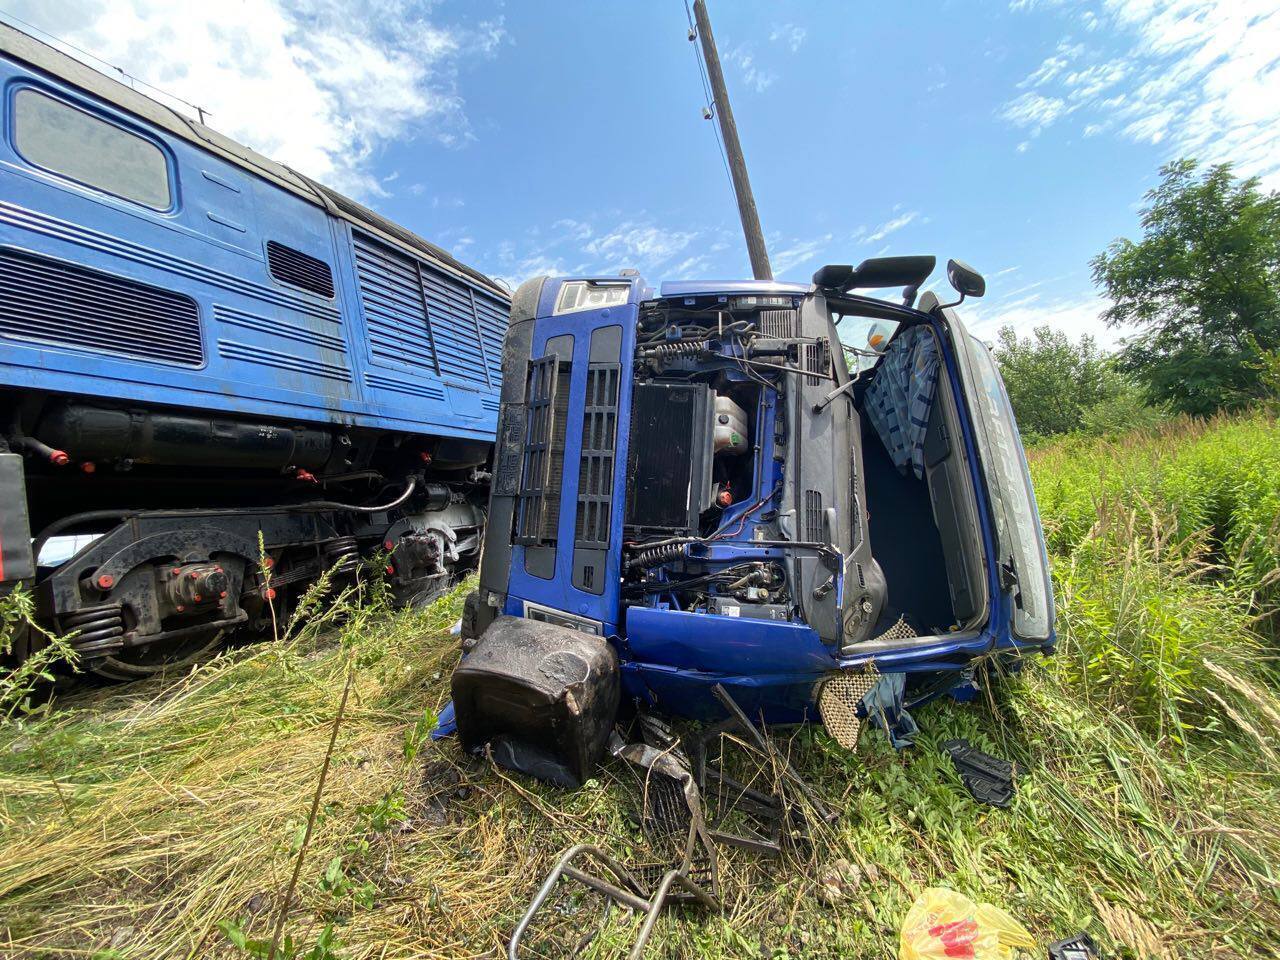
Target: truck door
[1021, 559]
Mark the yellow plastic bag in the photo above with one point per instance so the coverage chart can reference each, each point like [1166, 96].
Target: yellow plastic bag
[943, 923]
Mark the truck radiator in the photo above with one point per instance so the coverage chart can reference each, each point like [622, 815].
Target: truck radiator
[669, 464]
[49, 301]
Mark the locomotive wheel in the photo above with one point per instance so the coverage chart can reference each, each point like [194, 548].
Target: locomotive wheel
[144, 662]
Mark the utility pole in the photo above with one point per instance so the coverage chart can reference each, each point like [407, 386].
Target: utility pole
[737, 164]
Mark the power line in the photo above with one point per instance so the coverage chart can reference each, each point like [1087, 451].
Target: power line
[201, 111]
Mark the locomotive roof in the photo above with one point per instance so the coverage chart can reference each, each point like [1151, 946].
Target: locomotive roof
[41, 56]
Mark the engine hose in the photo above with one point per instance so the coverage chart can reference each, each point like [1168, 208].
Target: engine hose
[20, 440]
[93, 516]
[319, 506]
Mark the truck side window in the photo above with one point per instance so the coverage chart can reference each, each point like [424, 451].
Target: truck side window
[66, 140]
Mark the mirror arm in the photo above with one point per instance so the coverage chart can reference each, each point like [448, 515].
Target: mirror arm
[954, 303]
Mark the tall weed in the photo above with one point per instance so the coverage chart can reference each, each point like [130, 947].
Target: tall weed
[1155, 629]
[1217, 479]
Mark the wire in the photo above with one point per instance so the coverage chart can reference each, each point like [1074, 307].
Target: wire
[712, 106]
[320, 506]
[93, 56]
[742, 518]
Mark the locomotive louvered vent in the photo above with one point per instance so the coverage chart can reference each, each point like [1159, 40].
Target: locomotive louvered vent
[425, 319]
[49, 301]
[595, 472]
[300, 270]
[543, 468]
[813, 532]
[778, 324]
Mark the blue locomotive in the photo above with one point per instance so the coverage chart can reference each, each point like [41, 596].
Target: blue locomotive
[206, 357]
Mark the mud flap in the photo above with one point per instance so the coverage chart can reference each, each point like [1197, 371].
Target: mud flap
[543, 697]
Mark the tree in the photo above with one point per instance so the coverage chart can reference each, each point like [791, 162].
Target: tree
[1051, 379]
[1202, 286]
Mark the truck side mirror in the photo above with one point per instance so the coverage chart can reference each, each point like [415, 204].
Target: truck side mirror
[967, 281]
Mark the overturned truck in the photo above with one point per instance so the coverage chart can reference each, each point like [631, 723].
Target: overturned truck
[704, 485]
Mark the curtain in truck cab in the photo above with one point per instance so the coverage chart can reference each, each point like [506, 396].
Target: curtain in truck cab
[902, 394]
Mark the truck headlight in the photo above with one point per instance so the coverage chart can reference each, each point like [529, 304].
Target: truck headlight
[588, 295]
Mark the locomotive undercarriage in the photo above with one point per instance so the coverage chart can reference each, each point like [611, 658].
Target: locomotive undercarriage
[150, 550]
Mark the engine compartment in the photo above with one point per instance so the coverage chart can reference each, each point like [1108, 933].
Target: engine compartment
[760, 485]
[715, 412]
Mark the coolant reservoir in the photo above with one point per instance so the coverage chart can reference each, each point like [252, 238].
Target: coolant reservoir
[731, 427]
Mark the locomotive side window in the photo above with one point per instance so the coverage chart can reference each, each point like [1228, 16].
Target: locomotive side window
[72, 143]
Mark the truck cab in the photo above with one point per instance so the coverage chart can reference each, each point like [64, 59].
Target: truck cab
[756, 484]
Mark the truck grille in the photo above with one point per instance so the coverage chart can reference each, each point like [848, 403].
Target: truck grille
[49, 301]
[543, 469]
[595, 471]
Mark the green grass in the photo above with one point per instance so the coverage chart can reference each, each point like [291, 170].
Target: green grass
[137, 819]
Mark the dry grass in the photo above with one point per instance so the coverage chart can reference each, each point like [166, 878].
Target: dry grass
[135, 820]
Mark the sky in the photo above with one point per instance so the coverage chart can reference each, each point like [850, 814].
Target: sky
[539, 137]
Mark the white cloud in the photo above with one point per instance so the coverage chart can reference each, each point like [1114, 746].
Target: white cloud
[1034, 110]
[891, 226]
[1199, 77]
[755, 77]
[579, 246]
[1074, 317]
[319, 85]
[630, 243]
[799, 253]
[1052, 66]
[790, 34]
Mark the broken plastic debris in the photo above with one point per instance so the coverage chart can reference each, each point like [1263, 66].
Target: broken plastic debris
[1079, 947]
[988, 779]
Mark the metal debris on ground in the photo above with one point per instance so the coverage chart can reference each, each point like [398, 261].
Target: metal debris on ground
[685, 869]
[1079, 947]
[988, 779]
[757, 801]
[785, 773]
